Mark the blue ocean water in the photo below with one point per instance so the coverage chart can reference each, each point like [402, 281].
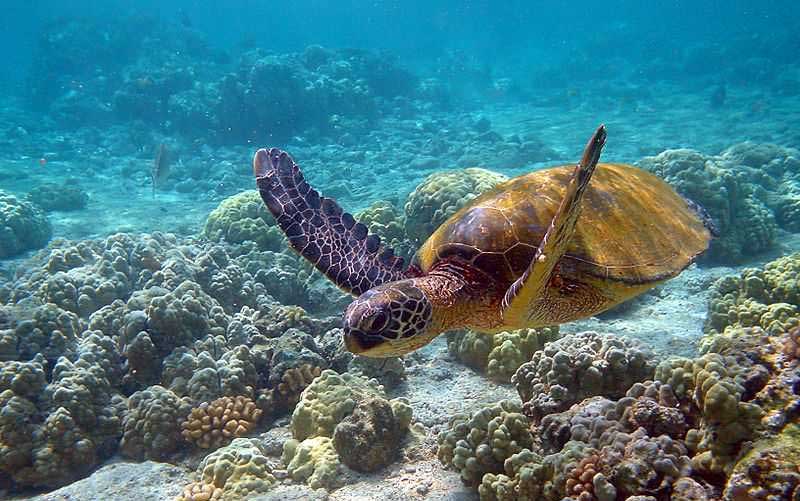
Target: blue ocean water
[131, 240]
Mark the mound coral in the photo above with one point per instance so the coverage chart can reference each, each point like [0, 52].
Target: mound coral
[441, 194]
[501, 354]
[480, 443]
[215, 423]
[235, 472]
[53, 433]
[151, 427]
[745, 189]
[243, 217]
[579, 366]
[768, 298]
[23, 227]
[369, 428]
[57, 197]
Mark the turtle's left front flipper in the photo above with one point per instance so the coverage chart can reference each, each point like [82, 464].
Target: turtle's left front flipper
[519, 302]
[320, 230]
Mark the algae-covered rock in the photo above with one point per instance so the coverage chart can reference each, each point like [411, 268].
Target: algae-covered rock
[23, 226]
[369, 438]
[243, 217]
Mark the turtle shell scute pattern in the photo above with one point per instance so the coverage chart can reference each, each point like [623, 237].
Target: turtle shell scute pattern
[319, 230]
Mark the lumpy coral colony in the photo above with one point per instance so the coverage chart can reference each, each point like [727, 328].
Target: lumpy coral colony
[157, 347]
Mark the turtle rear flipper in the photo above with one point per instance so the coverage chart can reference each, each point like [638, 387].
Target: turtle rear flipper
[519, 302]
[319, 230]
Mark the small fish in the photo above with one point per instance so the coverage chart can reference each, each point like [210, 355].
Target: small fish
[42, 162]
[161, 166]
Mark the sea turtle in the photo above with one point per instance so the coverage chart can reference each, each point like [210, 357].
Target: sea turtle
[541, 249]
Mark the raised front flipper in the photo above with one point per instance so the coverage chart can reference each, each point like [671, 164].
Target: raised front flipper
[519, 302]
[319, 230]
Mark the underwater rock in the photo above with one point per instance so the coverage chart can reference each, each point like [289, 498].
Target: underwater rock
[369, 438]
[441, 194]
[23, 227]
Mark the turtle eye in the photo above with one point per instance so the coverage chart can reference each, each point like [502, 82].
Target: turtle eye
[378, 321]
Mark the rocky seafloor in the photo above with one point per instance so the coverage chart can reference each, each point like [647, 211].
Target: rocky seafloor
[162, 343]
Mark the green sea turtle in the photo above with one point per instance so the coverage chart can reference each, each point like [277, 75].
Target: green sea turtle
[541, 249]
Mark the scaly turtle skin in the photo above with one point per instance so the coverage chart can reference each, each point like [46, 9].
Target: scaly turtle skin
[541, 249]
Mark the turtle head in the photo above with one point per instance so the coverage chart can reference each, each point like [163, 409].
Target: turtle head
[389, 320]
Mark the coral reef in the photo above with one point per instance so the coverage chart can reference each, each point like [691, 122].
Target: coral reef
[23, 227]
[243, 217]
[151, 428]
[55, 433]
[768, 298]
[236, 472]
[313, 461]
[214, 424]
[501, 354]
[579, 366]
[479, 444]
[441, 194]
[745, 189]
[56, 197]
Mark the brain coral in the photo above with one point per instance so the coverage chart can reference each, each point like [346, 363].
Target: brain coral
[22, 226]
[244, 217]
[441, 194]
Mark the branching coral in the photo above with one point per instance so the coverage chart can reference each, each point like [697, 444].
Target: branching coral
[213, 424]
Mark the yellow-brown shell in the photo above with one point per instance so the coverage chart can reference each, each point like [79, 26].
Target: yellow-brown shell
[633, 228]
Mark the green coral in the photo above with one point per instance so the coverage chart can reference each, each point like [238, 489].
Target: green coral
[441, 194]
[241, 470]
[23, 226]
[768, 298]
[243, 217]
[480, 443]
[500, 354]
[714, 384]
[328, 400]
[386, 221]
[313, 461]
